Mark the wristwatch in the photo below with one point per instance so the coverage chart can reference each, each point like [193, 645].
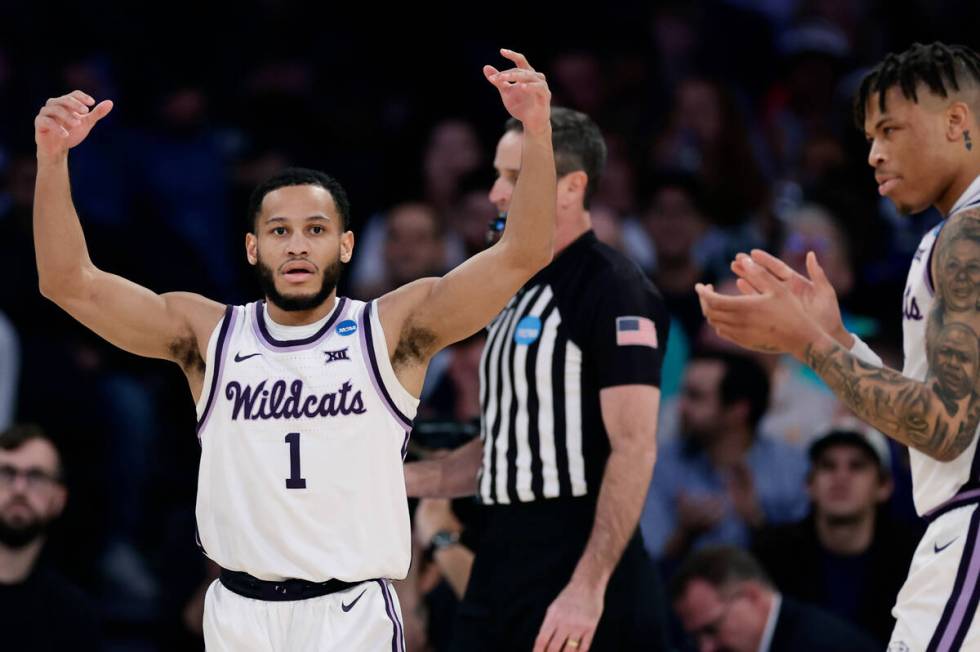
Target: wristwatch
[443, 539]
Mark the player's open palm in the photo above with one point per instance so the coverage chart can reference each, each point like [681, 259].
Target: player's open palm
[815, 293]
[65, 121]
[524, 91]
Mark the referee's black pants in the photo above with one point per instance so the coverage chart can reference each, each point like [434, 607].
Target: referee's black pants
[525, 558]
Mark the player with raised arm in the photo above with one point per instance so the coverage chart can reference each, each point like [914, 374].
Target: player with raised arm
[305, 399]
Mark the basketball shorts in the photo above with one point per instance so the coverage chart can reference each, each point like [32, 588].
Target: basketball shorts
[364, 617]
[936, 607]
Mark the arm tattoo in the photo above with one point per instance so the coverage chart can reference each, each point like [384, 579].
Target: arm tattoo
[939, 416]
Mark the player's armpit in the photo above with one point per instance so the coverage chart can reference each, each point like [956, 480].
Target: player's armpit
[938, 417]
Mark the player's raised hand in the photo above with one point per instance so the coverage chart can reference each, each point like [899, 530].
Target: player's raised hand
[65, 121]
[524, 91]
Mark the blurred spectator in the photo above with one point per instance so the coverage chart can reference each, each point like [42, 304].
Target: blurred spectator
[39, 609]
[847, 557]
[184, 169]
[674, 220]
[726, 602]
[453, 155]
[708, 137]
[414, 247]
[9, 371]
[721, 479]
[453, 151]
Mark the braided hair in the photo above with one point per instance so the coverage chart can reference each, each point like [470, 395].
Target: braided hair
[942, 68]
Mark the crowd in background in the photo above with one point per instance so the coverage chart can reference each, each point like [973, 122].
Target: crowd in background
[728, 124]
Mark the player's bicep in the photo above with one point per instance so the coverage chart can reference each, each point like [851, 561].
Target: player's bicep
[137, 319]
[469, 296]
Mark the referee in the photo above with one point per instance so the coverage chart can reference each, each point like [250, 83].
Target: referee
[569, 391]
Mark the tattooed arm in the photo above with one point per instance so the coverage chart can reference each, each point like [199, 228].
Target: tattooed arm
[937, 417]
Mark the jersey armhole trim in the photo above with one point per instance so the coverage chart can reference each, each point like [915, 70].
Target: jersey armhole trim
[215, 368]
[367, 344]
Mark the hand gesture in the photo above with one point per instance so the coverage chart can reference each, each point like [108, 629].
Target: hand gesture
[571, 620]
[815, 293]
[771, 321]
[524, 91]
[698, 514]
[741, 491]
[65, 121]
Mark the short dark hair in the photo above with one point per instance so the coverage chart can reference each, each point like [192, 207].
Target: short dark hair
[939, 66]
[578, 145]
[20, 433]
[300, 177]
[744, 379]
[719, 566]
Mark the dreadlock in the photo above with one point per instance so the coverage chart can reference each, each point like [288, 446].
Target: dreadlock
[939, 66]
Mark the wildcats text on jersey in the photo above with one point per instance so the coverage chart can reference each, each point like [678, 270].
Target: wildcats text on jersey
[274, 403]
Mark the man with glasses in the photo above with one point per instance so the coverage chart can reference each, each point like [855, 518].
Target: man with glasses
[725, 601]
[39, 610]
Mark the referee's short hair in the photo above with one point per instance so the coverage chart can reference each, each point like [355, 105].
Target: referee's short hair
[578, 145]
[720, 566]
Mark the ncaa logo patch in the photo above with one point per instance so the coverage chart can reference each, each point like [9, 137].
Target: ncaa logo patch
[528, 330]
[346, 327]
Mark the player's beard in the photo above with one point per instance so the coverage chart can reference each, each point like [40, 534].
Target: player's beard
[294, 303]
[22, 534]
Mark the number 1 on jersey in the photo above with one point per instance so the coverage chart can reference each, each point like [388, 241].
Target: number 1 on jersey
[294, 481]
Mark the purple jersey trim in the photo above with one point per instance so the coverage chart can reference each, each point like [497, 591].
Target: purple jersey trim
[227, 326]
[367, 344]
[397, 643]
[958, 615]
[265, 337]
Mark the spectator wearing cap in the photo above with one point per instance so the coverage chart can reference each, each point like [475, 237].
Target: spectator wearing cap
[726, 602]
[847, 556]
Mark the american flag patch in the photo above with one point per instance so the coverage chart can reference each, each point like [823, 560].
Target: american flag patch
[636, 331]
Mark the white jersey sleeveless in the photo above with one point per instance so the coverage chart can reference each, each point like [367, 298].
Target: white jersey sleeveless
[303, 442]
[933, 482]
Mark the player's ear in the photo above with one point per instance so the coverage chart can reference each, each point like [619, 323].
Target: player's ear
[959, 119]
[251, 248]
[346, 246]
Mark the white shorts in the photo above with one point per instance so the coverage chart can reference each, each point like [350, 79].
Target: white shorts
[936, 607]
[365, 617]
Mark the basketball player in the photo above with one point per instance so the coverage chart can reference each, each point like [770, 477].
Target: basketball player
[305, 399]
[919, 111]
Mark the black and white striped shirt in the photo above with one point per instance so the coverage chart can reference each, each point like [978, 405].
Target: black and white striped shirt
[589, 320]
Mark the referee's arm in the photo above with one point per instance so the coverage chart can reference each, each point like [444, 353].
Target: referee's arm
[629, 413]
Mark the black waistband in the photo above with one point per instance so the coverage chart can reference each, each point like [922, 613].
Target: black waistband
[252, 587]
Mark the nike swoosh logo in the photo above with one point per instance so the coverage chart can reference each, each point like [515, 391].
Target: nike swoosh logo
[939, 548]
[348, 607]
[239, 357]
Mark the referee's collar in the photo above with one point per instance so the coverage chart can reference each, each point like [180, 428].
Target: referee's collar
[581, 243]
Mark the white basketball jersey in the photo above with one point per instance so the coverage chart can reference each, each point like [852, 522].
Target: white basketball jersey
[303, 442]
[933, 482]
